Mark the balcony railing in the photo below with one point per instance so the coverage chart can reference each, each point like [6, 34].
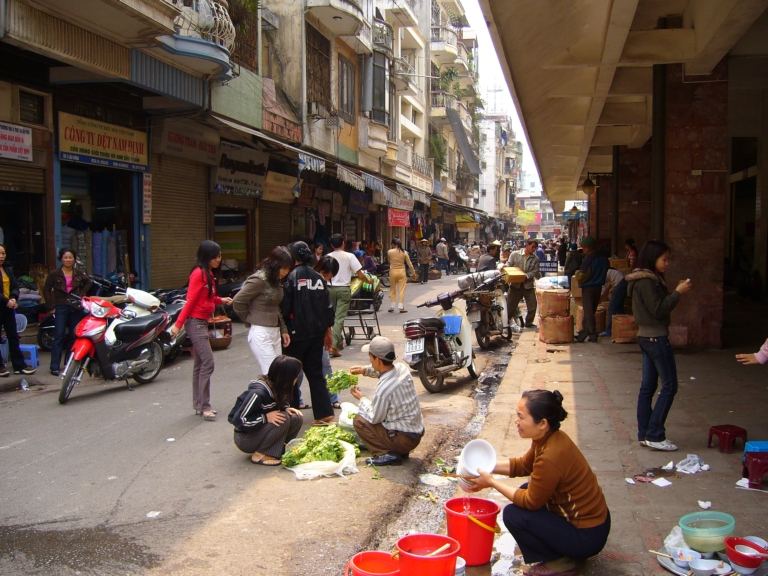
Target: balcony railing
[445, 34]
[207, 20]
[442, 99]
[382, 36]
[402, 66]
[463, 54]
[423, 165]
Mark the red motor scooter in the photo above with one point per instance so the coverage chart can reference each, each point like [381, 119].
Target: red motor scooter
[114, 344]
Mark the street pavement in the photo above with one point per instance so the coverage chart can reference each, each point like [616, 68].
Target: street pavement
[131, 482]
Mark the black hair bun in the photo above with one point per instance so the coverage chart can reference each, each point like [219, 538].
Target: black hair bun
[558, 396]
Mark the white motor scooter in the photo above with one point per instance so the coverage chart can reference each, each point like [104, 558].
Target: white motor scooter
[437, 346]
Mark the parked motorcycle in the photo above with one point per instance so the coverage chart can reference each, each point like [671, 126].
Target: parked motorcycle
[100, 286]
[435, 347]
[486, 306]
[114, 344]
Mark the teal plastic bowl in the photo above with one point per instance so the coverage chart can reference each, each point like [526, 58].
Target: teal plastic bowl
[706, 531]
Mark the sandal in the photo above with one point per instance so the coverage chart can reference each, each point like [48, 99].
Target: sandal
[336, 405]
[325, 421]
[305, 406]
[264, 459]
[209, 415]
[200, 412]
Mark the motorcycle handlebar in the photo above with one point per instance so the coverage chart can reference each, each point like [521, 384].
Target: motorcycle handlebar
[452, 295]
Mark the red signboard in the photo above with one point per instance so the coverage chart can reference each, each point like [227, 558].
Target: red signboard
[398, 217]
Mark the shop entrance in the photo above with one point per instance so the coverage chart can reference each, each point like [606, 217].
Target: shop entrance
[232, 231]
[743, 285]
[96, 218]
[22, 230]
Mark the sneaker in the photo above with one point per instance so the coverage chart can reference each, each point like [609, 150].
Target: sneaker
[4, 372]
[643, 443]
[26, 370]
[663, 445]
[391, 309]
[54, 372]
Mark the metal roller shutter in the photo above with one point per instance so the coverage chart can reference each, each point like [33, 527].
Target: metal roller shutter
[179, 218]
[17, 178]
[274, 226]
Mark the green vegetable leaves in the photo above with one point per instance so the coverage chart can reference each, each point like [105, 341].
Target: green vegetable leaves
[320, 443]
[341, 380]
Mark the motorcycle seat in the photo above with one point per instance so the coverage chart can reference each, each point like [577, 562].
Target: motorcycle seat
[174, 309]
[128, 331]
[431, 324]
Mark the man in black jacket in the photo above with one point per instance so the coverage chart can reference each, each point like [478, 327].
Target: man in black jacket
[308, 313]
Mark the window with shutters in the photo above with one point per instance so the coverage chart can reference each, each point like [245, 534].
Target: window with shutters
[380, 110]
[346, 90]
[318, 68]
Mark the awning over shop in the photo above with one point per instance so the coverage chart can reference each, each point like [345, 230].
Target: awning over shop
[459, 208]
[373, 183]
[350, 178]
[461, 137]
[313, 163]
[465, 218]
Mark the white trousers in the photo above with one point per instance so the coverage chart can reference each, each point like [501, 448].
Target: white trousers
[266, 345]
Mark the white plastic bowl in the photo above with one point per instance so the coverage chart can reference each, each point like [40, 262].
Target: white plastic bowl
[757, 540]
[477, 455]
[742, 569]
[703, 566]
[682, 556]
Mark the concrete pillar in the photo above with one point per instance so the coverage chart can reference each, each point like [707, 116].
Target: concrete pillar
[658, 150]
[697, 191]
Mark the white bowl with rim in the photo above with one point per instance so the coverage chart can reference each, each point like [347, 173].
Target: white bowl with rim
[477, 455]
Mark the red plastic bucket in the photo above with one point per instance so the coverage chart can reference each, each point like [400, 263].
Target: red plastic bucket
[474, 531]
[372, 563]
[414, 549]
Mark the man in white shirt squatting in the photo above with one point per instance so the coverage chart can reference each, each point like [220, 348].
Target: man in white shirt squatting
[390, 424]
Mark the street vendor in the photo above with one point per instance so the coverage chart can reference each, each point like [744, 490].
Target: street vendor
[390, 424]
[560, 515]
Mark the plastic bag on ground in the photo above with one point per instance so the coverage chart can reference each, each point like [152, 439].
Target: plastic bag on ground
[690, 465]
[327, 468]
[348, 411]
[675, 539]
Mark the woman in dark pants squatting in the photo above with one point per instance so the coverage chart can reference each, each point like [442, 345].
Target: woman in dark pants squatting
[560, 515]
[652, 305]
[265, 422]
[59, 284]
[201, 303]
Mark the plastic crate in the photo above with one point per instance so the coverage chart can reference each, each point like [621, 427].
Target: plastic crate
[452, 325]
[756, 446]
[29, 351]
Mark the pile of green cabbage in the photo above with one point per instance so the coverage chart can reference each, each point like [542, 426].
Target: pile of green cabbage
[340, 380]
[320, 443]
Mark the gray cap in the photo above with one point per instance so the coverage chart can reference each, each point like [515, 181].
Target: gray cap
[381, 347]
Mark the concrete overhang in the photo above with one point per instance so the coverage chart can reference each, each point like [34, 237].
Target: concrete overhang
[580, 72]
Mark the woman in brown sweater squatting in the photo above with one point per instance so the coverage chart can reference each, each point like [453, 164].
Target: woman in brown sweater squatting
[560, 515]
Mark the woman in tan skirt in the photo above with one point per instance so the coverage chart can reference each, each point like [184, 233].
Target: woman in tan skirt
[398, 261]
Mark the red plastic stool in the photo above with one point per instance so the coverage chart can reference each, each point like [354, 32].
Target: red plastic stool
[726, 434]
[756, 464]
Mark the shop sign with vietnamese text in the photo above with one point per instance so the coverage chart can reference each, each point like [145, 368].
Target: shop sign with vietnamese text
[93, 142]
[398, 218]
[191, 141]
[280, 188]
[241, 171]
[358, 203]
[146, 208]
[15, 142]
